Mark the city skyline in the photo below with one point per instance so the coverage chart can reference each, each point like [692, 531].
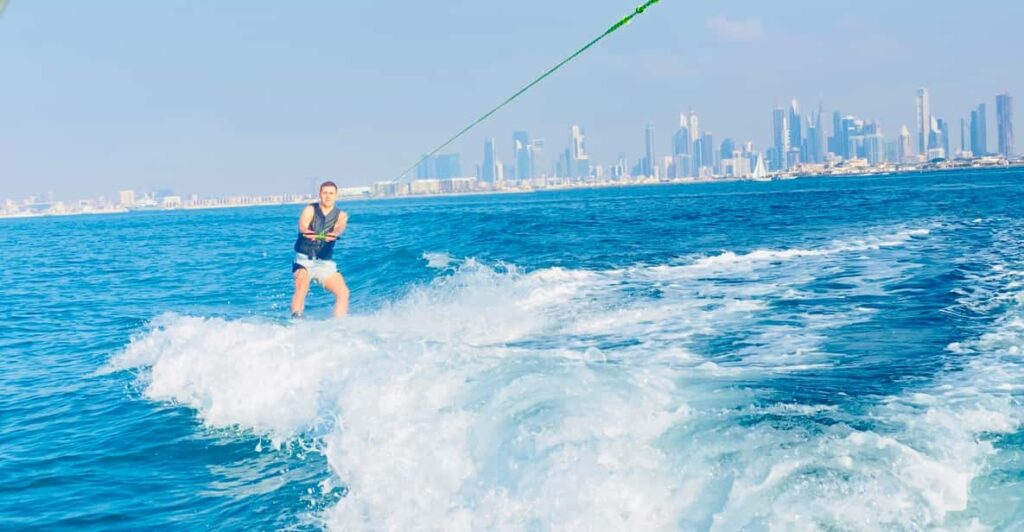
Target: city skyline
[797, 139]
[110, 97]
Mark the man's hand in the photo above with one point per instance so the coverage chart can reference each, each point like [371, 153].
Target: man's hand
[310, 235]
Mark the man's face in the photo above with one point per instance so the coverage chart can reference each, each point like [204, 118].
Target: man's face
[328, 195]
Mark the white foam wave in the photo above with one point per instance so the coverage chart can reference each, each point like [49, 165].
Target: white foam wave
[564, 399]
[731, 261]
[437, 260]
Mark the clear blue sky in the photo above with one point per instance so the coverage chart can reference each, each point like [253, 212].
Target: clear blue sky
[262, 97]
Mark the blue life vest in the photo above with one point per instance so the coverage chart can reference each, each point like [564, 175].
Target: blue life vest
[318, 249]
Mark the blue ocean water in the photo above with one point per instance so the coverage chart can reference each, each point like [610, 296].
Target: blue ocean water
[815, 354]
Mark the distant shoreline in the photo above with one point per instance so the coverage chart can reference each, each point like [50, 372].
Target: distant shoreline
[575, 186]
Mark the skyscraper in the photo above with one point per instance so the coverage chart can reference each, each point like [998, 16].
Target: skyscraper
[834, 142]
[979, 135]
[448, 166]
[647, 167]
[487, 172]
[796, 137]
[814, 141]
[963, 136]
[873, 143]
[904, 144]
[682, 146]
[943, 137]
[1004, 122]
[780, 138]
[924, 121]
[576, 148]
[521, 153]
[727, 149]
[694, 133]
[698, 156]
[537, 159]
[427, 167]
[853, 132]
[707, 152]
[681, 141]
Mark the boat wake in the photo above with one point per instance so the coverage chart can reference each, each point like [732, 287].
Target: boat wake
[641, 398]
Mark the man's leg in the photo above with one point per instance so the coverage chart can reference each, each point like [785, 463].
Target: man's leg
[301, 289]
[335, 284]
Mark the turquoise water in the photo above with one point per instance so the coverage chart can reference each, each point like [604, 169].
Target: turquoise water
[836, 354]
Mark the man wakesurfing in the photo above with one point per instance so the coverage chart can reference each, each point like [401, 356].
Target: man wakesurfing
[320, 225]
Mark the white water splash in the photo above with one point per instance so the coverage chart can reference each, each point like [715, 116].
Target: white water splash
[561, 399]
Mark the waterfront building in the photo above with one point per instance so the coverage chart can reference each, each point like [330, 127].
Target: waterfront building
[924, 120]
[836, 144]
[126, 198]
[795, 123]
[447, 166]
[780, 137]
[1004, 123]
[852, 129]
[813, 143]
[905, 154]
[892, 153]
[874, 148]
[425, 186]
[792, 158]
[521, 155]
[538, 162]
[963, 136]
[487, 169]
[499, 174]
[577, 150]
[943, 133]
[649, 161]
[707, 155]
[727, 149]
[681, 141]
[457, 184]
[979, 131]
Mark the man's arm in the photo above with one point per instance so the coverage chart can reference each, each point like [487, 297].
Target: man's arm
[305, 219]
[339, 226]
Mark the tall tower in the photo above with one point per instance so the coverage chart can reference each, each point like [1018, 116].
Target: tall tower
[576, 147]
[694, 133]
[942, 128]
[1004, 121]
[819, 138]
[924, 121]
[963, 136]
[521, 153]
[579, 163]
[681, 142]
[537, 160]
[904, 144]
[979, 132]
[780, 138]
[796, 137]
[487, 173]
[837, 127]
[648, 162]
[707, 151]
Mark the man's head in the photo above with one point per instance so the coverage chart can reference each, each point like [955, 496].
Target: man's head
[328, 193]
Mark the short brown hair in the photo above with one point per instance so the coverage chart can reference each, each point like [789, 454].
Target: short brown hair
[328, 184]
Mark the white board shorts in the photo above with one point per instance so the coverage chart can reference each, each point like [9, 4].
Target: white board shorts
[319, 270]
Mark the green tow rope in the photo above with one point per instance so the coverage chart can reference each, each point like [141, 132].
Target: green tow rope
[625, 20]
